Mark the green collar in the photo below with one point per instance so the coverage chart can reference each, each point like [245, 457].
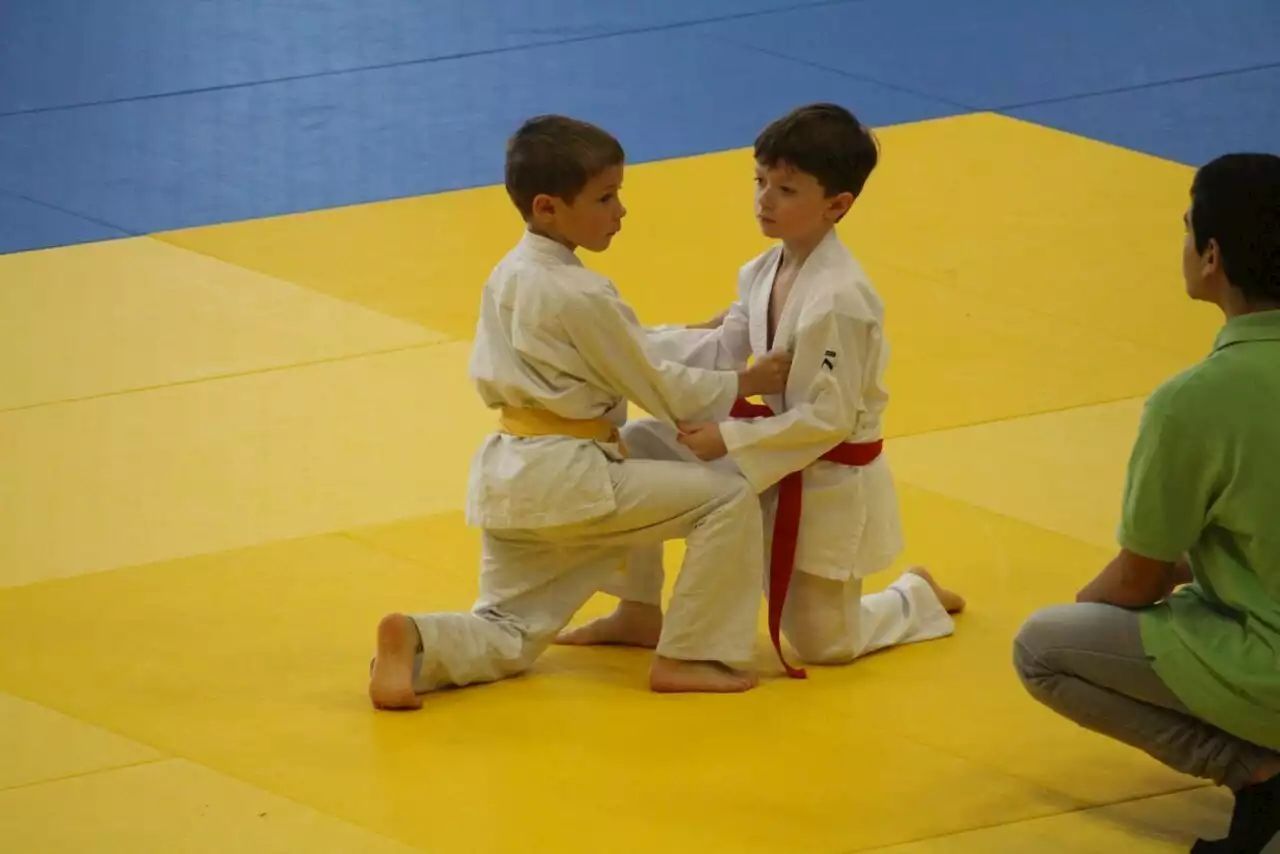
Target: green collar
[1259, 326]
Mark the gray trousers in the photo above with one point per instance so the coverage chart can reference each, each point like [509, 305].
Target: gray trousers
[1086, 662]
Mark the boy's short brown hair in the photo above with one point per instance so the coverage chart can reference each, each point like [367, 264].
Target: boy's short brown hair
[826, 141]
[556, 155]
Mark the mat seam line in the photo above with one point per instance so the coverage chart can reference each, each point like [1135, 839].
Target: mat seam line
[347, 534]
[107, 770]
[1137, 87]
[350, 534]
[808, 63]
[169, 239]
[292, 78]
[994, 825]
[361, 540]
[202, 554]
[382, 549]
[986, 765]
[937, 493]
[127, 232]
[949, 277]
[237, 777]
[1007, 418]
[228, 376]
[974, 108]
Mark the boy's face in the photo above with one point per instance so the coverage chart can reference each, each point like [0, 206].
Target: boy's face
[591, 220]
[792, 206]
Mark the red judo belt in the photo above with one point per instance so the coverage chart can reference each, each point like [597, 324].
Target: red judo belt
[786, 521]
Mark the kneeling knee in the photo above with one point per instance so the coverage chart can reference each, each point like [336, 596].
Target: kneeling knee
[828, 657]
[823, 649]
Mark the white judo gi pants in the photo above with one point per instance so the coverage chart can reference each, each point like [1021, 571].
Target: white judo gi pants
[533, 581]
[826, 621]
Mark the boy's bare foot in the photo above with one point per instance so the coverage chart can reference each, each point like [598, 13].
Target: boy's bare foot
[391, 684]
[670, 676]
[631, 624]
[951, 600]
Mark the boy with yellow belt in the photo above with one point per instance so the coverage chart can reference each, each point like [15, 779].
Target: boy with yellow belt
[559, 354]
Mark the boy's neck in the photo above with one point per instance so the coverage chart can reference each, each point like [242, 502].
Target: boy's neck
[796, 252]
[1234, 304]
[567, 244]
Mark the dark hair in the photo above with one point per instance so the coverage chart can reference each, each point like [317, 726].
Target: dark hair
[826, 141]
[556, 155]
[1235, 200]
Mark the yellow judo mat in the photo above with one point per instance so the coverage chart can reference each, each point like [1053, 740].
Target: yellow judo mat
[225, 452]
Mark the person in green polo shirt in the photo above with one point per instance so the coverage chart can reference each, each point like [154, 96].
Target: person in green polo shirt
[1175, 647]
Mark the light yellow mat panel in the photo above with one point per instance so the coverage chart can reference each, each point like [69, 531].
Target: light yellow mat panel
[979, 254]
[278, 637]
[127, 314]
[39, 744]
[202, 467]
[173, 807]
[1163, 825]
[1063, 471]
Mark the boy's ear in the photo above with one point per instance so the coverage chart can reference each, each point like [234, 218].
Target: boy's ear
[839, 204]
[543, 205]
[1211, 261]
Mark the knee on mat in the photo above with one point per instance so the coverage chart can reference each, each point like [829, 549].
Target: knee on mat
[828, 657]
[822, 648]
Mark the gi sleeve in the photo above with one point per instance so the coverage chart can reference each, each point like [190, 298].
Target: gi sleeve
[726, 348]
[615, 352]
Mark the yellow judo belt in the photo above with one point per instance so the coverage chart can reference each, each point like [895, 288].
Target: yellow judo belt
[532, 423]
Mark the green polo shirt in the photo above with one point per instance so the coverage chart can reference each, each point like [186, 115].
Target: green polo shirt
[1204, 481]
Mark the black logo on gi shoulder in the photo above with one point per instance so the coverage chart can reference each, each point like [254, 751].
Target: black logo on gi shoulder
[830, 361]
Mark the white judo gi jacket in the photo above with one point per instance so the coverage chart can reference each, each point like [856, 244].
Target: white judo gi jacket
[833, 325]
[554, 335]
